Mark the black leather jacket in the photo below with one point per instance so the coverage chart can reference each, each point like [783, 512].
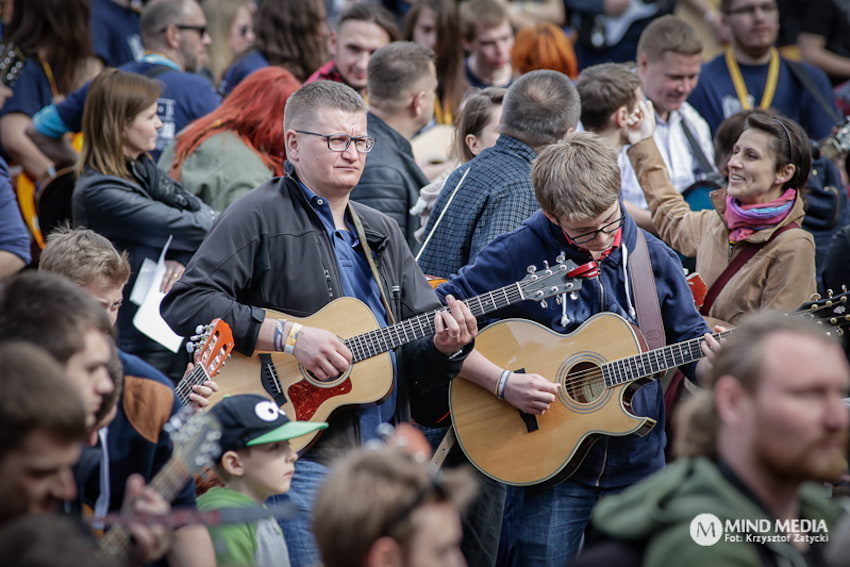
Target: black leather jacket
[270, 250]
[391, 179]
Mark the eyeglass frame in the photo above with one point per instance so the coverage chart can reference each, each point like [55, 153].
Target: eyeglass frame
[765, 7]
[202, 30]
[435, 486]
[606, 228]
[355, 139]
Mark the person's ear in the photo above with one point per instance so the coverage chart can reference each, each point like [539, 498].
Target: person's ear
[785, 173]
[332, 43]
[290, 144]
[172, 37]
[472, 143]
[385, 552]
[232, 464]
[417, 104]
[731, 400]
[620, 117]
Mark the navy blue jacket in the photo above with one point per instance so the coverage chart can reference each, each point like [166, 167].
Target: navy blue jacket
[613, 461]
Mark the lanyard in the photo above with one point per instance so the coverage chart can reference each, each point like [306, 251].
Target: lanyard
[741, 87]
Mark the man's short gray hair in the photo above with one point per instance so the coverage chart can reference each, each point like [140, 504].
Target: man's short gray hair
[302, 105]
[540, 107]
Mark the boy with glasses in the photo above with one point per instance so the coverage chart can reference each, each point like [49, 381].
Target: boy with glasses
[577, 183]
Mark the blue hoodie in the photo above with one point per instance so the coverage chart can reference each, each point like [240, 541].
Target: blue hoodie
[613, 461]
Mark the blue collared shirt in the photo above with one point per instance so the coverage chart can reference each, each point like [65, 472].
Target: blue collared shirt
[357, 282]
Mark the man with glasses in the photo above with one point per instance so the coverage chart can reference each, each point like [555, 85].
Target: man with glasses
[175, 36]
[294, 245]
[752, 74]
[577, 183]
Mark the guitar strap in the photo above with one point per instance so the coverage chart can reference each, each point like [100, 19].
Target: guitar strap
[367, 250]
[804, 77]
[646, 296]
[749, 250]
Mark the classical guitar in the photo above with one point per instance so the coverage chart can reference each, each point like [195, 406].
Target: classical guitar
[211, 347]
[195, 440]
[599, 368]
[370, 377]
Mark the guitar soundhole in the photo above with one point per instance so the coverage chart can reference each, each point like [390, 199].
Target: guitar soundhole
[584, 383]
[330, 383]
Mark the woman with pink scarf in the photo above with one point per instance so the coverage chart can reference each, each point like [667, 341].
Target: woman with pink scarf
[759, 213]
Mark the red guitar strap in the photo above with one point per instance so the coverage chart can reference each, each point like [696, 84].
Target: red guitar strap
[748, 251]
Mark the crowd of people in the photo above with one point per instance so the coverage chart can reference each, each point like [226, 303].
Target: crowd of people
[570, 209]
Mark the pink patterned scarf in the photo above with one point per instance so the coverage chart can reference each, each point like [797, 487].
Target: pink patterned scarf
[744, 220]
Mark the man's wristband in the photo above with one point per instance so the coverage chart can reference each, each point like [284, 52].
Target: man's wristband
[503, 381]
[289, 347]
[277, 341]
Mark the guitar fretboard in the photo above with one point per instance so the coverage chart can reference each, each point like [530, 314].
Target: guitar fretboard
[387, 338]
[655, 361]
[195, 378]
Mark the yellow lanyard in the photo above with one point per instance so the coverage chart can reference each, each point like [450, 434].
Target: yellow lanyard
[741, 87]
[48, 72]
[442, 116]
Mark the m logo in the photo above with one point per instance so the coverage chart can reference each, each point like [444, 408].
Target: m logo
[706, 529]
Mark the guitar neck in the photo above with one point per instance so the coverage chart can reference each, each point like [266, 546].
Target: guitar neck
[169, 480]
[195, 378]
[654, 361]
[384, 339]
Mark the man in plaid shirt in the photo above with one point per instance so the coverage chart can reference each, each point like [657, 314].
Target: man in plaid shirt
[496, 195]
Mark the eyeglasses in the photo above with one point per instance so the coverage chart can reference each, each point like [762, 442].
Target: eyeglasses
[436, 486]
[341, 142]
[202, 30]
[767, 8]
[586, 237]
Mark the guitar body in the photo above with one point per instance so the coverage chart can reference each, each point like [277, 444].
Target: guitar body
[525, 450]
[301, 396]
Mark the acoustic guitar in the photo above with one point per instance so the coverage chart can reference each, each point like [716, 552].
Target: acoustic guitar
[370, 377]
[599, 367]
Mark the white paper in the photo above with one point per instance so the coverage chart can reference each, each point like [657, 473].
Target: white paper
[147, 319]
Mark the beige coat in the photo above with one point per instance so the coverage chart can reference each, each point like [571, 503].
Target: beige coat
[780, 276]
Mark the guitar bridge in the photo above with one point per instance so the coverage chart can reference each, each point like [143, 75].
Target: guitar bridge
[270, 380]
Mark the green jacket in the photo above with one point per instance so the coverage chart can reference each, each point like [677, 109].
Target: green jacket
[659, 512]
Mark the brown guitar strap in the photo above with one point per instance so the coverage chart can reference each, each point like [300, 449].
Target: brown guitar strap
[749, 250]
[646, 296]
[367, 250]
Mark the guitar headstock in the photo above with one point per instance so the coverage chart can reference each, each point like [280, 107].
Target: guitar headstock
[551, 281]
[212, 346]
[831, 310]
[195, 437]
[838, 143]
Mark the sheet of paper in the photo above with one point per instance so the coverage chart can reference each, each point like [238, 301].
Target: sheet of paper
[147, 319]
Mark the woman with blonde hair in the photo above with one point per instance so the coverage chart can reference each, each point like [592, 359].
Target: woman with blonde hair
[122, 195]
[231, 24]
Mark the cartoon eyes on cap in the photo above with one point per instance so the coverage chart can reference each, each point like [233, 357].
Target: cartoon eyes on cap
[268, 411]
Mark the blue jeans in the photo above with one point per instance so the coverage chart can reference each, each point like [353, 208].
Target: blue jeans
[545, 527]
[303, 551]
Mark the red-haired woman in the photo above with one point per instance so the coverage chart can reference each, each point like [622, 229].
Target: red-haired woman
[544, 46]
[239, 145]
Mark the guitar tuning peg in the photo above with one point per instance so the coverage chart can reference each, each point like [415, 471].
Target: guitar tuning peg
[190, 347]
[843, 288]
[199, 329]
[544, 304]
[531, 269]
[829, 293]
[573, 296]
[546, 264]
[560, 258]
[559, 300]
[816, 297]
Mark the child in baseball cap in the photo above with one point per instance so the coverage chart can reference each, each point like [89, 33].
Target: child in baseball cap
[256, 462]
